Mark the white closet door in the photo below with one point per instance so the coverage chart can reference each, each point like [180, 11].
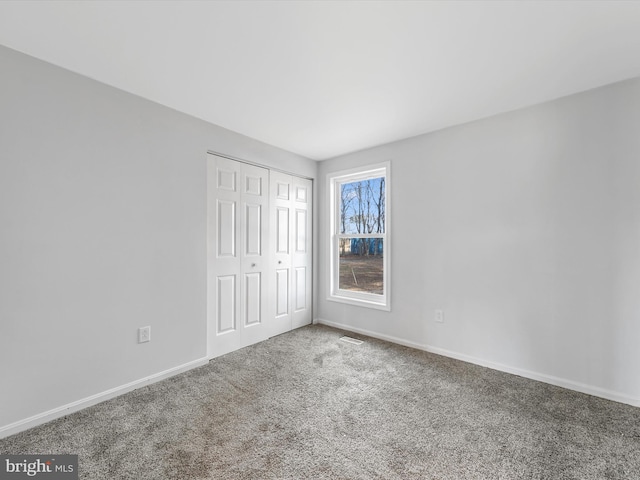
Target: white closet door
[238, 245]
[254, 253]
[301, 255]
[291, 244]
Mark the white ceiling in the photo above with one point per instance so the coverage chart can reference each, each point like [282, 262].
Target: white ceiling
[326, 78]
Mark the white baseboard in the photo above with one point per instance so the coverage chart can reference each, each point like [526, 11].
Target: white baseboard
[540, 377]
[69, 408]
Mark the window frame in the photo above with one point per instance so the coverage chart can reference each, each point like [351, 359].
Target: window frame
[335, 294]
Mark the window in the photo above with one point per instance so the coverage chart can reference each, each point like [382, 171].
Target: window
[359, 247]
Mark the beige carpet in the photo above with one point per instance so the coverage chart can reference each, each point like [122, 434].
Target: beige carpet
[306, 405]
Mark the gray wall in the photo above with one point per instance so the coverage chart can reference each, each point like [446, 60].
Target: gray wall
[525, 229]
[102, 230]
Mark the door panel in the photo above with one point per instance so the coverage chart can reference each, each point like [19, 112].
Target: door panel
[301, 257]
[253, 185]
[280, 310]
[301, 288]
[238, 210]
[282, 188]
[254, 229]
[282, 292]
[255, 200]
[291, 205]
[226, 303]
[226, 178]
[253, 298]
[301, 231]
[301, 194]
[226, 228]
[282, 229]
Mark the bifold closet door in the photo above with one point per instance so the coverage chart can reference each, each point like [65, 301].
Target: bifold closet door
[238, 211]
[292, 255]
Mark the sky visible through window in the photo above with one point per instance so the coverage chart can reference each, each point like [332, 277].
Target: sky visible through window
[362, 206]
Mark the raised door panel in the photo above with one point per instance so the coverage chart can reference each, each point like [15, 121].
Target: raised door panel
[282, 230]
[226, 312]
[301, 231]
[282, 292]
[253, 184]
[227, 177]
[254, 229]
[282, 188]
[301, 288]
[301, 193]
[226, 226]
[253, 299]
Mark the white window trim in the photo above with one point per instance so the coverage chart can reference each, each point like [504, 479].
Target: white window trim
[380, 302]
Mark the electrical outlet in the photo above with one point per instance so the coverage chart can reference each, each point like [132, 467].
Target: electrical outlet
[144, 334]
[440, 316]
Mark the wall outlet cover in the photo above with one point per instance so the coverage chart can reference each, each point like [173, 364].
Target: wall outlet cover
[144, 334]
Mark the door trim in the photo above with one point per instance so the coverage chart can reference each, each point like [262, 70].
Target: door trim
[255, 164]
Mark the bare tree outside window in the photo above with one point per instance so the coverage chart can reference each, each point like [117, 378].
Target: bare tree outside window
[362, 229]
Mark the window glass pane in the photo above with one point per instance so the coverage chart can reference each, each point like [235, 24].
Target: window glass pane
[362, 206]
[361, 265]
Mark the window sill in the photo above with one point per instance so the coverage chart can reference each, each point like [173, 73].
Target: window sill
[360, 302]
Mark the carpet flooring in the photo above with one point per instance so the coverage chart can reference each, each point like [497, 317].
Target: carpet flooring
[305, 405]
